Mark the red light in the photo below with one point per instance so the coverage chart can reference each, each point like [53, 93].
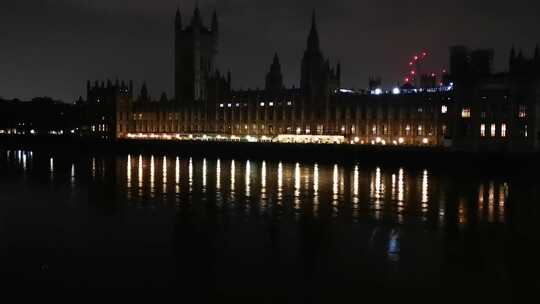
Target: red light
[413, 72]
[410, 63]
[415, 57]
[424, 54]
[432, 74]
[407, 79]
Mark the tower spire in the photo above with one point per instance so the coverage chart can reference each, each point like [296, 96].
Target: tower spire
[178, 18]
[276, 59]
[274, 78]
[512, 57]
[215, 23]
[196, 20]
[313, 40]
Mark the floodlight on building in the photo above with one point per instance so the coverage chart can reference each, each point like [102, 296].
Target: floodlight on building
[396, 91]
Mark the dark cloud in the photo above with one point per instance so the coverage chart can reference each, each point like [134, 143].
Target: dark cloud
[50, 47]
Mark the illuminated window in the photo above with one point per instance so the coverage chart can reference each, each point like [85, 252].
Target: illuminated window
[483, 114]
[522, 111]
[483, 130]
[503, 130]
[493, 130]
[466, 113]
[374, 130]
[420, 130]
[444, 109]
[262, 104]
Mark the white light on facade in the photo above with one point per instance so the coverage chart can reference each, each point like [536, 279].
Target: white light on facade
[377, 91]
[396, 91]
[444, 109]
[425, 141]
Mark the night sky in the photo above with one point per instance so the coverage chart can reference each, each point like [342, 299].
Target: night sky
[51, 47]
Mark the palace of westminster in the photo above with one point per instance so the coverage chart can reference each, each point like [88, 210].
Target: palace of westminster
[470, 109]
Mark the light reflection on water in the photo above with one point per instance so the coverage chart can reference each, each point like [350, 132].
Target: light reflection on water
[305, 189]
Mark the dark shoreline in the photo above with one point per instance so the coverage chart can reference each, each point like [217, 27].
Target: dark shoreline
[400, 156]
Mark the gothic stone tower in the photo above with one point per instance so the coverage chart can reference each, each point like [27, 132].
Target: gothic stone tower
[317, 78]
[274, 78]
[195, 51]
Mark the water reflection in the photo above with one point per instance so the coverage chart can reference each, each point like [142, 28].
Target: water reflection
[297, 186]
[152, 177]
[301, 189]
[177, 179]
[248, 178]
[164, 174]
[93, 168]
[316, 190]
[279, 198]
[218, 174]
[190, 174]
[51, 167]
[204, 175]
[233, 180]
[72, 175]
[497, 195]
[140, 177]
[264, 197]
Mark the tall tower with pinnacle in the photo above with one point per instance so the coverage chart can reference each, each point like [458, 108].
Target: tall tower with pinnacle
[274, 78]
[195, 52]
[312, 63]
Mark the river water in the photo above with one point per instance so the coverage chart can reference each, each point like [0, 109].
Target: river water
[267, 231]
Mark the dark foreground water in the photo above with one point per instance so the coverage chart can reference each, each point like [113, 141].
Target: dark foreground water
[265, 231]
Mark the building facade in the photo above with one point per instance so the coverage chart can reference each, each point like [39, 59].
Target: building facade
[473, 109]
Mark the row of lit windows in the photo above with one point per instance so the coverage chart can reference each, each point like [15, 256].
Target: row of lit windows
[261, 104]
[503, 130]
[99, 128]
[493, 130]
[466, 112]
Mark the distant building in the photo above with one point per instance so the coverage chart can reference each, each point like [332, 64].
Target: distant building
[471, 109]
